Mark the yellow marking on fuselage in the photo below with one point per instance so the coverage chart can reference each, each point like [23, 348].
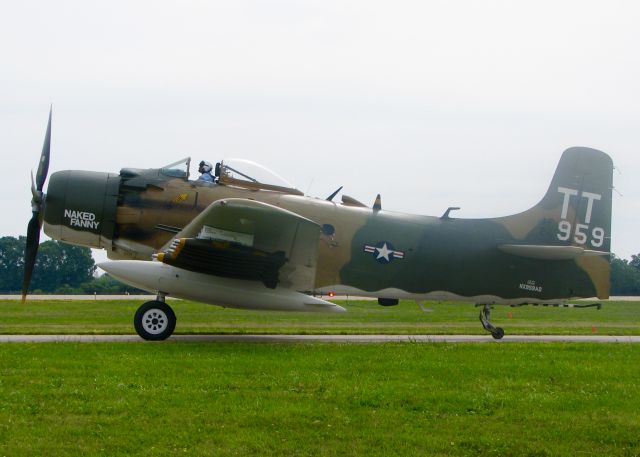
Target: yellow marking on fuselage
[181, 197]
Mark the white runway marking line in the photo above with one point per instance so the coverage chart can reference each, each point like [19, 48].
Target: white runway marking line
[326, 338]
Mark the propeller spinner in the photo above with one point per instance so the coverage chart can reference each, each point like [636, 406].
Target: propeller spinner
[33, 229]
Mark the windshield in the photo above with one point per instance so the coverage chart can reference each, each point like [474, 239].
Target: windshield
[179, 169]
[246, 170]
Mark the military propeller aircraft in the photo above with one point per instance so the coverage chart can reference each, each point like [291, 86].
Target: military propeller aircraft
[258, 243]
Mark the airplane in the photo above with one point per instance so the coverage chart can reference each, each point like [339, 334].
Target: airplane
[252, 242]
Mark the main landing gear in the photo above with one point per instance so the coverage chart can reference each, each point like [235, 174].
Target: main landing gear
[155, 320]
[485, 319]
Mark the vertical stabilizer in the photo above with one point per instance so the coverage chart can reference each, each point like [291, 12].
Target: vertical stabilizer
[576, 210]
[572, 222]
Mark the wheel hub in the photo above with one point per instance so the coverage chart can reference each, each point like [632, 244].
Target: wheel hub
[155, 321]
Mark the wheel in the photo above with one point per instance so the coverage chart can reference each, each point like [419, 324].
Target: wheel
[388, 301]
[498, 333]
[154, 320]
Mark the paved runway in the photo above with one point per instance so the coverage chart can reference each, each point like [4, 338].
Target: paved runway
[328, 338]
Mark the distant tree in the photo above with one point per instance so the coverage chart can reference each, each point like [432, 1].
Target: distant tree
[635, 261]
[11, 263]
[57, 264]
[105, 285]
[625, 279]
[66, 289]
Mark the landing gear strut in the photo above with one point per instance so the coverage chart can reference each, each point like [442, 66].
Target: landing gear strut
[155, 320]
[485, 319]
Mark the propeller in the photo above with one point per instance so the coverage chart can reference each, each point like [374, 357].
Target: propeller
[33, 229]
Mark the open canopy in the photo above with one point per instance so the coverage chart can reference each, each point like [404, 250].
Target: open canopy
[246, 170]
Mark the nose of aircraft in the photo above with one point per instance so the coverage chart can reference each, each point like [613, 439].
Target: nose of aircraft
[80, 207]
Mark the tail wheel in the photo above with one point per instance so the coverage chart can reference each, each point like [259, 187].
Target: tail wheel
[485, 318]
[154, 321]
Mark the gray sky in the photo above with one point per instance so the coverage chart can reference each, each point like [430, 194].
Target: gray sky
[431, 103]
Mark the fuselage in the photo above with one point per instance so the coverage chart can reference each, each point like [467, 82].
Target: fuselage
[360, 250]
[366, 252]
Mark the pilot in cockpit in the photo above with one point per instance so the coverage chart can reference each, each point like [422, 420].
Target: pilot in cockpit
[205, 172]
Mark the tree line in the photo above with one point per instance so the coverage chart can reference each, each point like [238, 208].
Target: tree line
[625, 275]
[60, 268]
[66, 269]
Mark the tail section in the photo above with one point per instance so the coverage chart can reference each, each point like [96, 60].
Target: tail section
[576, 210]
[580, 195]
[572, 222]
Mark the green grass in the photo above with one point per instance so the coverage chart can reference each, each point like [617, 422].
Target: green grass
[316, 400]
[104, 317]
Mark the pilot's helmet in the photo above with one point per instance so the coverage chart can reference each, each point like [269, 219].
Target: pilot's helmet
[205, 167]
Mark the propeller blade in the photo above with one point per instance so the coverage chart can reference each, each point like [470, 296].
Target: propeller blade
[33, 229]
[30, 251]
[43, 166]
[36, 196]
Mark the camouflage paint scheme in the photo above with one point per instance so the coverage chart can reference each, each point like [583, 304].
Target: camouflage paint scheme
[556, 250]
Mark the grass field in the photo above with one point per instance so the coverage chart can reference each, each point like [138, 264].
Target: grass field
[104, 317]
[179, 398]
[324, 399]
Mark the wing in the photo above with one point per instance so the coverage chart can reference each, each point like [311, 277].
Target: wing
[246, 239]
[229, 253]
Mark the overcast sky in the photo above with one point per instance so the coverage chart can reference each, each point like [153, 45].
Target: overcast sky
[430, 103]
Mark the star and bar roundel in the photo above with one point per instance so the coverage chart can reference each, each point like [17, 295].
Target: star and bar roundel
[383, 252]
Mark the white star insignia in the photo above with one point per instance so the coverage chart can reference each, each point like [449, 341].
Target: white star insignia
[383, 252]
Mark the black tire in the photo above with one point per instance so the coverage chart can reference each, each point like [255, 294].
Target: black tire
[388, 301]
[154, 321]
[498, 333]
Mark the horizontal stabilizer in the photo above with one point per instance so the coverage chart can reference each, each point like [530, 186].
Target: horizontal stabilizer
[548, 252]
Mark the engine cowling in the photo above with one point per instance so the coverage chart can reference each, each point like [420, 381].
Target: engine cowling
[80, 207]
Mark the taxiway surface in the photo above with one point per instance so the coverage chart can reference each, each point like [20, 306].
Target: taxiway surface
[327, 338]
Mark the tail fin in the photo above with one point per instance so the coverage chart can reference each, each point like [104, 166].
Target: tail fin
[576, 210]
[581, 190]
[571, 222]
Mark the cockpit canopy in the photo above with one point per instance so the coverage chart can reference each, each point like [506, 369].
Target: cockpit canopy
[229, 172]
[248, 174]
[246, 170]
